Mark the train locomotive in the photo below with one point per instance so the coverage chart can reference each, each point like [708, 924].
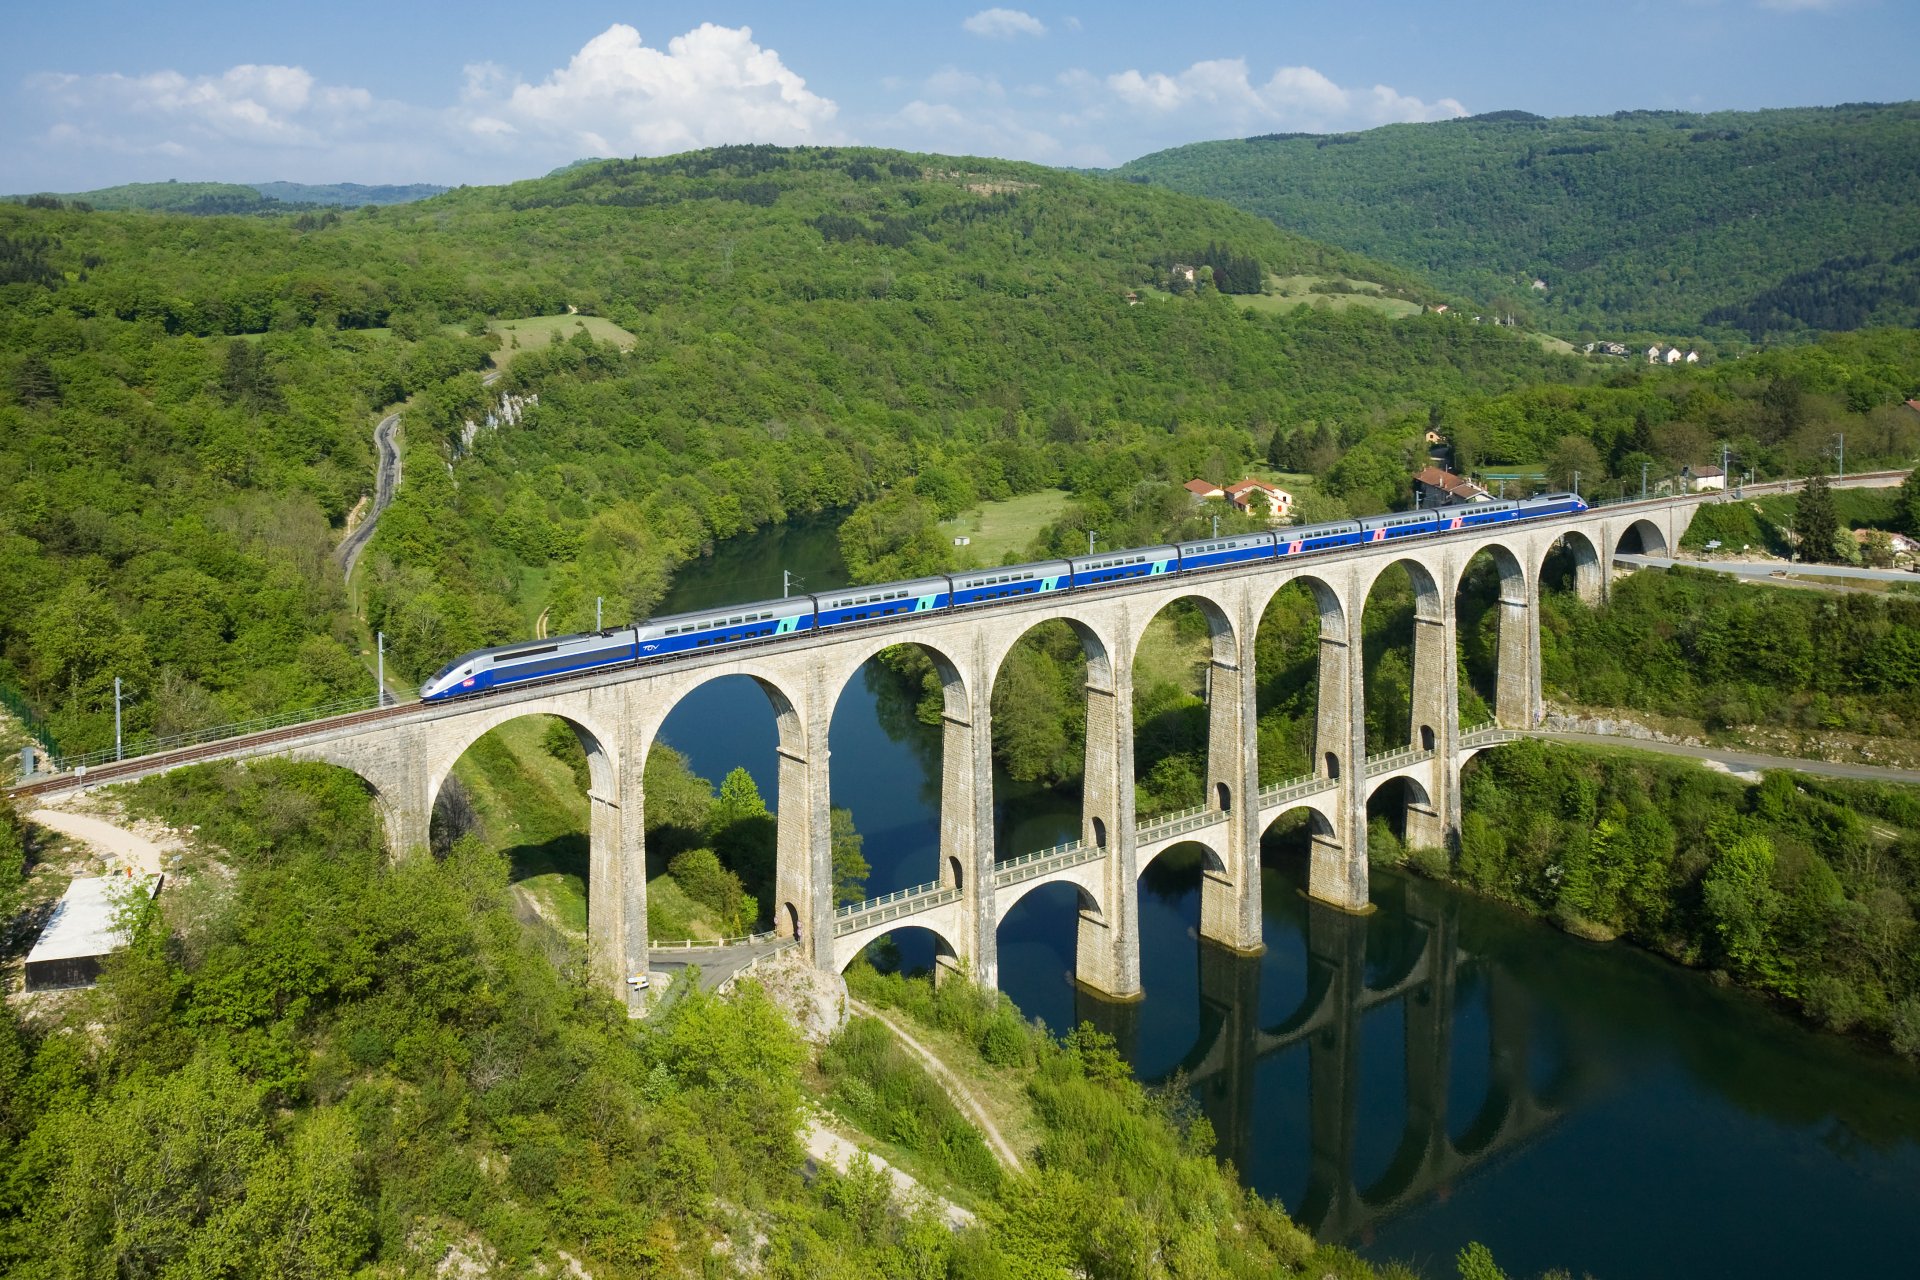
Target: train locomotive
[660, 638]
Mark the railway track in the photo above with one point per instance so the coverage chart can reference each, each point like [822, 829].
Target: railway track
[161, 760]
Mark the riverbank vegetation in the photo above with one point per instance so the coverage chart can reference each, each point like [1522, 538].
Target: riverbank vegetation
[1801, 887]
[314, 1059]
[1693, 643]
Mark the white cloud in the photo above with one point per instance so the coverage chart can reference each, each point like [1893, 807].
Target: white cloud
[1004, 24]
[1219, 95]
[712, 85]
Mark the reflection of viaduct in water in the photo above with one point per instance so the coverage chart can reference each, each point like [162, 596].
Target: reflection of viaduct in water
[1431, 1155]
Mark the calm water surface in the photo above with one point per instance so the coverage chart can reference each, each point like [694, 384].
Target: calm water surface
[1438, 1072]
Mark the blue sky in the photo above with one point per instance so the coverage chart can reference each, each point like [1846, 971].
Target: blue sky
[98, 93]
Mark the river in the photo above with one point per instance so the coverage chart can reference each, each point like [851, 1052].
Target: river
[1443, 1070]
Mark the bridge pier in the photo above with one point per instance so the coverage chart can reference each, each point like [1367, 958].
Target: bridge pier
[1107, 949]
[1436, 718]
[1337, 874]
[966, 819]
[1230, 909]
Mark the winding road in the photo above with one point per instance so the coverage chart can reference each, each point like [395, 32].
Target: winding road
[385, 483]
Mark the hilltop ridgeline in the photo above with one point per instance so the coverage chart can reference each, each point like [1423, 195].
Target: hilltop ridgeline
[1654, 222]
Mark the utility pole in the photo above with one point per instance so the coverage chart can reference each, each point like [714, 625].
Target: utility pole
[116, 718]
[1216, 528]
[380, 666]
[1841, 439]
[786, 583]
[1576, 484]
[1643, 481]
[1091, 535]
[596, 611]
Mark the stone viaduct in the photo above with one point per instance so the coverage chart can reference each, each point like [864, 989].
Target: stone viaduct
[406, 755]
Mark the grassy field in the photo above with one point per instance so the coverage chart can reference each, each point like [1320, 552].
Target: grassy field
[999, 530]
[1287, 292]
[538, 331]
[530, 806]
[1167, 654]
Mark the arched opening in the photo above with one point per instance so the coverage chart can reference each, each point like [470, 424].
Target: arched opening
[1491, 636]
[790, 918]
[1641, 538]
[955, 876]
[1402, 822]
[1043, 693]
[1404, 659]
[910, 950]
[714, 840]
[1182, 650]
[1570, 587]
[1427, 739]
[522, 789]
[1300, 687]
[1572, 567]
[888, 740]
[1288, 848]
[1036, 943]
[1223, 797]
[1099, 834]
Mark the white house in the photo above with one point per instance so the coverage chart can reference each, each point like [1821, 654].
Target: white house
[1673, 355]
[1653, 354]
[1250, 494]
[1693, 357]
[1704, 479]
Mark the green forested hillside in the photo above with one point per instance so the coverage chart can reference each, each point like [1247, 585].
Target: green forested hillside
[187, 402]
[1665, 223]
[204, 198]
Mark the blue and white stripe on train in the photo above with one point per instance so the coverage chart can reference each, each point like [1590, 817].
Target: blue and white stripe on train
[659, 638]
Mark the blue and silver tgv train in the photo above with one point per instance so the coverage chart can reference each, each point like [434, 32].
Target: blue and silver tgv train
[487, 669]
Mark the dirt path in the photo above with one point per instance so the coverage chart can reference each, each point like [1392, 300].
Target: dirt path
[829, 1148]
[1001, 1147]
[141, 853]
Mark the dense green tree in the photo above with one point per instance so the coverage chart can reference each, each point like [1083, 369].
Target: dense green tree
[1818, 526]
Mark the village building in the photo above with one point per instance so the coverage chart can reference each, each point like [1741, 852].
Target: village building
[1203, 489]
[1704, 479]
[1257, 497]
[1436, 487]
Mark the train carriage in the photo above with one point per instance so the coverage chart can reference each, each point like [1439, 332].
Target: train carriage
[1318, 537]
[1115, 566]
[980, 586]
[1403, 524]
[682, 632]
[1213, 552]
[535, 660]
[859, 604]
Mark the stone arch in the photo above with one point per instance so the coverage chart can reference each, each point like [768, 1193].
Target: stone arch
[1589, 567]
[1181, 724]
[1327, 748]
[1420, 825]
[1087, 899]
[796, 909]
[1641, 537]
[1212, 860]
[596, 733]
[883, 758]
[1322, 838]
[946, 957]
[1105, 776]
[1430, 662]
[1223, 797]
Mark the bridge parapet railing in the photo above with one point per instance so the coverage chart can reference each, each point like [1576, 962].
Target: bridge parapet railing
[1295, 789]
[1486, 735]
[892, 906]
[1173, 824]
[706, 944]
[1028, 866]
[1396, 759]
[146, 745]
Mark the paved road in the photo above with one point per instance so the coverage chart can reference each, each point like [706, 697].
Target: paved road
[1742, 760]
[386, 482]
[1768, 568]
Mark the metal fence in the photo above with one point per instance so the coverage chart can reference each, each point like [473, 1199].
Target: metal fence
[1175, 823]
[891, 906]
[1030, 865]
[147, 744]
